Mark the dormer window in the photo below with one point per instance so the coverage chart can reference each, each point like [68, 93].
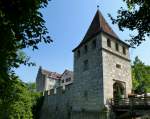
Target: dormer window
[85, 48]
[117, 47]
[124, 50]
[108, 43]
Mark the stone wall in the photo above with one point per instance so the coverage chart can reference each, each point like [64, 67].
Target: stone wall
[60, 106]
[57, 105]
[111, 73]
[86, 97]
[88, 84]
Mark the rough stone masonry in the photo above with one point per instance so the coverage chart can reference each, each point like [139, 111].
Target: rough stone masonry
[102, 71]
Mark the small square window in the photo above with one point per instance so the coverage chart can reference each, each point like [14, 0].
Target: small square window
[85, 48]
[124, 50]
[108, 43]
[118, 66]
[85, 65]
[94, 44]
[117, 47]
[68, 79]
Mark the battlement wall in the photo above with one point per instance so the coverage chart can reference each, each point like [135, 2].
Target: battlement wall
[57, 103]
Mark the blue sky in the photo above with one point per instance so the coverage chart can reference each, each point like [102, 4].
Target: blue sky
[67, 22]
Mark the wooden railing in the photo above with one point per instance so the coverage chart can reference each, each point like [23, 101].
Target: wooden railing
[133, 102]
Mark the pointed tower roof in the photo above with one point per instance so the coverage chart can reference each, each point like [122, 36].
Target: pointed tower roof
[98, 25]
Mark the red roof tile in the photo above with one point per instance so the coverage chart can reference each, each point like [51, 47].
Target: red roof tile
[98, 24]
[50, 74]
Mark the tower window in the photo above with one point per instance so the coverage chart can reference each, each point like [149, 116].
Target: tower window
[108, 43]
[117, 47]
[85, 65]
[94, 44]
[124, 50]
[118, 66]
[68, 79]
[85, 48]
[78, 53]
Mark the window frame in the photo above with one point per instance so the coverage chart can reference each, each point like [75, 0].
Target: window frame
[124, 50]
[118, 66]
[108, 43]
[68, 79]
[117, 46]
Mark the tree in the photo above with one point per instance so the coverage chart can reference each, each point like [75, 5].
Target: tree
[135, 17]
[15, 101]
[31, 87]
[18, 101]
[21, 26]
[140, 76]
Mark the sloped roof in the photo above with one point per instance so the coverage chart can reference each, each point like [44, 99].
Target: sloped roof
[50, 74]
[67, 72]
[99, 24]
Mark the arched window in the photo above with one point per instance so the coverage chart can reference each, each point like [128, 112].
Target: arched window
[118, 90]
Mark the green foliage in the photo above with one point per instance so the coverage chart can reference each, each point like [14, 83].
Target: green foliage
[21, 26]
[37, 100]
[37, 105]
[31, 87]
[135, 17]
[140, 76]
[17, 101]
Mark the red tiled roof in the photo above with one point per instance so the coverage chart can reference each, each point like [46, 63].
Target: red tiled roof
[50, 74]
[98, 24]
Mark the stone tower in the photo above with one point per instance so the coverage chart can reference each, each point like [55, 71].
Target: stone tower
[102, 71]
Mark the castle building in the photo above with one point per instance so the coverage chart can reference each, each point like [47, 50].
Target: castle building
[66, 78]
[102, 71]
[47, 80]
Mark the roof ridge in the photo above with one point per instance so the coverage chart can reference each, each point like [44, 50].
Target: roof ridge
[98, 24]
